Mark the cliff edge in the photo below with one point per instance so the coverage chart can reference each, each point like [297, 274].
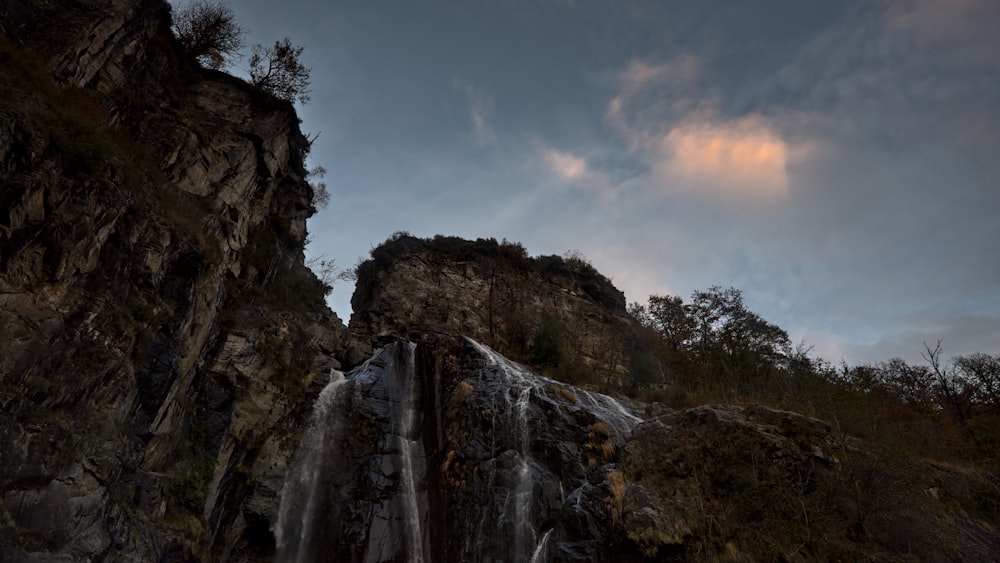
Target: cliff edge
[558, 314]
[158, 329]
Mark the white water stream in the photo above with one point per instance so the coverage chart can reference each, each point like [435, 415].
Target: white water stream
[398, 528]
[409, 444]
[302, 491]
[521, 384]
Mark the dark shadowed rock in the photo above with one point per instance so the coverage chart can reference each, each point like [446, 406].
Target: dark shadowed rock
[158, 328]
[725, 481]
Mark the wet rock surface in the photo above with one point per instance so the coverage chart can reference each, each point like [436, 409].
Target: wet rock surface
[513, 466]
[508, 465]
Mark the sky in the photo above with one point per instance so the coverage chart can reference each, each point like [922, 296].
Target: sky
[836, 161]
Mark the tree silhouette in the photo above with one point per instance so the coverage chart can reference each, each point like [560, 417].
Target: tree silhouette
[279, 71]
[209, 32]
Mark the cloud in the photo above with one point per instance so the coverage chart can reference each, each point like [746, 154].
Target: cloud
[480, 108]
[959, 335]
[742, 157]
[574, 171]
[566, 165]
[963, 20]
[651, 94]
[686, 145]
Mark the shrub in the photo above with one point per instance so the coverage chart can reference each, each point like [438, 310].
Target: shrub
[546, 346]
[209, 32]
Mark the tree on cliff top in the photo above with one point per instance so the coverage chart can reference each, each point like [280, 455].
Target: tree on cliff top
[209, 32]
[279, 71]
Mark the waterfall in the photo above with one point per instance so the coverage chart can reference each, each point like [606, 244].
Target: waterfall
[302, 491]
[539, 555]
[517, 387]
[610, 411]
[411, 450]
[317, 499]
[519, 384]
[389, 392]
[357, 488]
[607, 409]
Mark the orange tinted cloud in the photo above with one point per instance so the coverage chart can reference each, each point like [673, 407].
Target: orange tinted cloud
[741, 157]
[566, 165]
[573, 171]
[668, 121]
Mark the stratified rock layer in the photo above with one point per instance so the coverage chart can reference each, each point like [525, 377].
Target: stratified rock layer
[534, 307]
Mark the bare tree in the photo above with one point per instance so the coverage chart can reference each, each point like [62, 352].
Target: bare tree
[954, 389]
[279, 71]
[209, 32]
[982, 371]
[321, 195]
[326, 271]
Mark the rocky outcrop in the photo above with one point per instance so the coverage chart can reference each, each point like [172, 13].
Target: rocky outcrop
[752, 483]
[548, 310]
[158, 329]
[440, 449]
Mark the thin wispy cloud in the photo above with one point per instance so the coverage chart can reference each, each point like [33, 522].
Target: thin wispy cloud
[969, 21]
[573, 171]
[566, 165]
[647, 96]
[480, 110]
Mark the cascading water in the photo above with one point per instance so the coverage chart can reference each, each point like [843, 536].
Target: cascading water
[318, 495]
[539, 554]
[395, 527]
[302, 491]
[411, 450]
[610, 411]
[518, 386]
[518, 475]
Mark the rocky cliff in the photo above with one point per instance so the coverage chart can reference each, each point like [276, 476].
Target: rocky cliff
[158, 329]
[555, 312]
[440, 449]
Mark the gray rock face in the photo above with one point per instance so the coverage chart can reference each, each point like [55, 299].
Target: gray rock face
[444, 450]
[158, 329]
